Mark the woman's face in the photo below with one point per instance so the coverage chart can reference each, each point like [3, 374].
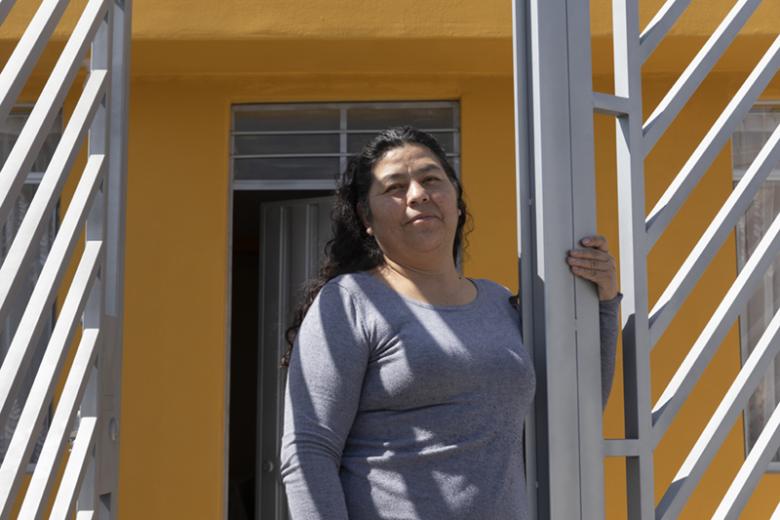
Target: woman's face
[412, 204]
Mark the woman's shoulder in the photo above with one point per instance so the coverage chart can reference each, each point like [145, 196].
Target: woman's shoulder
[353, 284]
[497, 293]
[356, 289]
[492, 287]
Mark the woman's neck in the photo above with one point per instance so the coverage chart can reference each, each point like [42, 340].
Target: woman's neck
[440, 285]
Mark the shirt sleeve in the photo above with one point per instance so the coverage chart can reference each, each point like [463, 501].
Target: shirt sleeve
[608, 333]
[324, 383]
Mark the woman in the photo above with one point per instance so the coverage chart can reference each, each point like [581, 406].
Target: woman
[408, 383]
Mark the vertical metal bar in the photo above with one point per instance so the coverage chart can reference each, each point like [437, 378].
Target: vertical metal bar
[633, 259]
[524, 167]
[92, 402]
[116, 189]
[559, 117]
[583, 180]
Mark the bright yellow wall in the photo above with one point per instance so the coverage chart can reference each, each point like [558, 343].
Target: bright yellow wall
[177, 258]
[272, 19]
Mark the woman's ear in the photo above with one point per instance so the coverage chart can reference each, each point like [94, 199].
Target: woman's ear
[364, 218]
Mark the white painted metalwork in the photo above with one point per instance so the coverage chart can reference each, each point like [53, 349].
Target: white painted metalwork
[701, 159]
[49, 102]
[41, 392]
[544, 71]
[93, 305]
[22, 60]
[556, 173]
[42, 481]
[630, 151]
[720, 228]
[75, 469]
[749, 474]
[659, 26]
[721, 423]
[670, 106]
[48, 191]
[722, 319]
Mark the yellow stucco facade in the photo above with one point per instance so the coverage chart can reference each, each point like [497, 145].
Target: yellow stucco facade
[192, 60]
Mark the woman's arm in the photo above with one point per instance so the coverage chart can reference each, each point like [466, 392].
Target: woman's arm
[608, 333]
[594, 263]
[323, 391]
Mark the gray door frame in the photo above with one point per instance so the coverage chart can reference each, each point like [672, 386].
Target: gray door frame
[290, 265]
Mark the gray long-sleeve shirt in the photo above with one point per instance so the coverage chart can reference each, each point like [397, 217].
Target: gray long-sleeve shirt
[397, 409]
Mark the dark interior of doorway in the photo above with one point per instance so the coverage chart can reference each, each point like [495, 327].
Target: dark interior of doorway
[243, 345]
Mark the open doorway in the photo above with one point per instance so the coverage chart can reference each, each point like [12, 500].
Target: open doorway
[278, 239]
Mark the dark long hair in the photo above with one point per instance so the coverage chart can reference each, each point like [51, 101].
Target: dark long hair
[352, 249]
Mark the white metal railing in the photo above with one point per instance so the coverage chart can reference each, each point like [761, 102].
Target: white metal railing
[92, 306]
[551, 74]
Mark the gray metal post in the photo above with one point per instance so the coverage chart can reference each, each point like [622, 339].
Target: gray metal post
[633, 254]
[556, 193]
[111, 367]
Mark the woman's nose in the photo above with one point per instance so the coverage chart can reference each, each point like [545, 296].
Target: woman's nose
[416, 193]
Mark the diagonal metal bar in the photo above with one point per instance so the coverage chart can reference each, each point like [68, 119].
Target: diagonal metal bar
[18, 258]
[670, 106]
[659, 26]
[5, 8]
[776, 514]
[40, 487]
[719, 229]
[707, 343]
[27, 51]
[720, 423]
[751, 471]
[75, 469]
[28, 427]
[18, 355]
[675, 195]
[32, 136]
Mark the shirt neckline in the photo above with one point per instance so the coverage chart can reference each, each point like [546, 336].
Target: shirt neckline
[464, 306]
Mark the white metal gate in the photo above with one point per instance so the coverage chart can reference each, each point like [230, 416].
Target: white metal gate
[92, 308]
[554, 111]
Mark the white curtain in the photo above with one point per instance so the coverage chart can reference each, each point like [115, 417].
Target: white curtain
[747, 142]
[9, 130]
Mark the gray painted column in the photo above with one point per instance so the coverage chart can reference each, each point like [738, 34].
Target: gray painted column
[556, 207]
[116, 193]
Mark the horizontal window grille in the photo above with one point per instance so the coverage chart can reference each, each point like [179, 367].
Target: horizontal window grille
[278, 145]
[747, 141]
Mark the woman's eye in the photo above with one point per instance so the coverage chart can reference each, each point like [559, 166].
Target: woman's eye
[394, 187]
